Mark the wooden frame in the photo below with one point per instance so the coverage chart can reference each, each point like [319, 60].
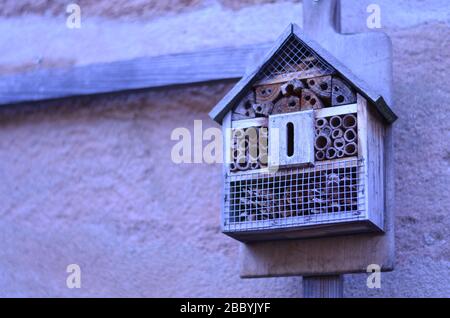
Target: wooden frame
[369, 142]
[336, 110]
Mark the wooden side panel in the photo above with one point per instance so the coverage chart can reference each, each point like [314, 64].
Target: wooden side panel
[371, 134]
[375, 167]
[362, 118]
[226, 132]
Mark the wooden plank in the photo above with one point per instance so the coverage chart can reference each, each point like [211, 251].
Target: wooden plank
[140, 73]
[375, 167]
[362, 121]
[310, 221]
[319, 231]
[347, 162]
[336, 110]
[226, 132]
[253, 122]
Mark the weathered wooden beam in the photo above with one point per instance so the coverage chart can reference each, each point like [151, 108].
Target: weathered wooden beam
[139, 73]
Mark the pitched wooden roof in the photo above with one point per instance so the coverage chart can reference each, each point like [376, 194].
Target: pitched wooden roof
[245, 84]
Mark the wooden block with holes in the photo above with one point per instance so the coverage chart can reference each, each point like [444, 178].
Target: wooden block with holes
[342, 92]
[310, 100]
[287, 105]
[267, 93]
[321, 86]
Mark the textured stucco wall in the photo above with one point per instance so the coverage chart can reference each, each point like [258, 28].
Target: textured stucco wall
[90, 181]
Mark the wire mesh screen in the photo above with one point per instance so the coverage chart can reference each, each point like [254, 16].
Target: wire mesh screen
[295, 56]
[327, 193]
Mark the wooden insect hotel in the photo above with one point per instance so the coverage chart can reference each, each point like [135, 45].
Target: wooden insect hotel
[303, 147]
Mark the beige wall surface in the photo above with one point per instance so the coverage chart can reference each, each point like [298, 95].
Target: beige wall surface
[90, 181]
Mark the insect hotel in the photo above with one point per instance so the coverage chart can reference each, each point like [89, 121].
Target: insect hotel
[303, 147]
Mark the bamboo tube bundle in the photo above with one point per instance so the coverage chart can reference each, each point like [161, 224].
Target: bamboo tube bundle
[349, 121]
[263, 148]
[253, 152]
[237, 154]
[323, 134]
[335, 122]
[337, 133]
[331, 153]
[350, 149]
[243, 164]
[339, 143]
[326, 131]
[322, 142]
[240, 156]
[333, 135]
[321, 122]
[249, 148]
[252, 134]
[255, 165]
[263, 135]
[350, 135]
[233, 167]
[239, 146]
[320, 155]
[237, 133]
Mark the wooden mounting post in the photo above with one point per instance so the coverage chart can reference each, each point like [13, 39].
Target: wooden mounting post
[320, 19]
[331, 286]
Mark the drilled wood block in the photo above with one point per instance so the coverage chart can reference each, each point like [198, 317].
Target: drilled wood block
[244, 110]
[342, 93]
[310, 100]
[293, 87]
[287, 105]
[263, 109]
[321, 86]
[267, 93]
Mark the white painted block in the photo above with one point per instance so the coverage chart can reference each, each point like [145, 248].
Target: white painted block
[291, 139]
